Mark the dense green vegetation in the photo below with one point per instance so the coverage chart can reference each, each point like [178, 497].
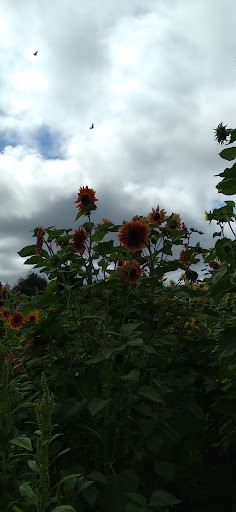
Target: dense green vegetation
[117, 392]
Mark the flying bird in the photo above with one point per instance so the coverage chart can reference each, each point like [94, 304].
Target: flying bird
[92, 126]
[35, 53]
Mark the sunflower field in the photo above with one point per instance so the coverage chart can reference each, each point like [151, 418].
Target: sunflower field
[118, 390]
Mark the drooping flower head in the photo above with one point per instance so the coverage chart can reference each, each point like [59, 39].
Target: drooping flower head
[86, 196]
[131, 271]
[78, 240]
[221, 133]
[157, 216]
[172, 224]
[16, 320]
[39, 247]
[32, 316]
[134, 234]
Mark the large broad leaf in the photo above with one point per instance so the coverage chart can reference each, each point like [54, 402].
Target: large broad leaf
[168, 339]
[23, 442]
[166, 470]
[128, 328]
[66, 479]
[227, 186]
[149, 393]
[96, 476]
[97, 404]
[28, 493]
[163, 499]
[27, 251]
[132, 376]
[64, 508]
[98, 236]
[228, 153]
[137, 498]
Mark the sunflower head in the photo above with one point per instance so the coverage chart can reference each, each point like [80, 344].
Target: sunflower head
[134, 234]
[86, 197]
[131, 271]
[156, 216]
[78, 240]
[33, 316]
[221, 133]
[16, 320]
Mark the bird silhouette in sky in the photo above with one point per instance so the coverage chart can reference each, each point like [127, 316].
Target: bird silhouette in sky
[35, 53]
[92, 126]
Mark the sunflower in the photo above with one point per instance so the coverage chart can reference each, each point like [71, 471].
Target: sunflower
[78, 239]
[221, 133]
[86, 196]
[39, 247]
[33, 316]
[156, 216]
[5, 313]
[134, 234]
[131, 272]
[16, 320]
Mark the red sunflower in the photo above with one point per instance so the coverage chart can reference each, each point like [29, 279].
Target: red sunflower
[79, 239]
[86, 196]
[131, 272]
[157, 216]
[16, 320]
[134, 234]
[33, 316]
[5, 313]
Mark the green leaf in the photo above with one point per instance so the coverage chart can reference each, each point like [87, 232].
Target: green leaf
[163, 499]
[96, 476]
[90, 495]
[228, 153]
[28, 493]
[27, 251]
[135, 342]
[23, 442]
[132, 376]
[137, 498]
[168, 339]
[149, 393]
[165, 469]
[33, 465]
[16, 509]
[97, 404]
[128, 328]
[66, 450]
[107, 352]
[66, 479]
[149, 349]
[64, 508]
[98, 236]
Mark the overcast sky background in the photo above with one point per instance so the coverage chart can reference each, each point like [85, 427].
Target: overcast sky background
[155, 78]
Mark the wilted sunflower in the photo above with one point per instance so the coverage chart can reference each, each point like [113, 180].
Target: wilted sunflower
[5, 313]
[221, 133]
[33, 316]
[16, 320]
[157, 216]
[86, 196]
[39, 247]
[131, 272]
[134, 234]
[79, 239]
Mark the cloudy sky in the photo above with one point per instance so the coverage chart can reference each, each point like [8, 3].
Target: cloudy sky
[155, 78]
